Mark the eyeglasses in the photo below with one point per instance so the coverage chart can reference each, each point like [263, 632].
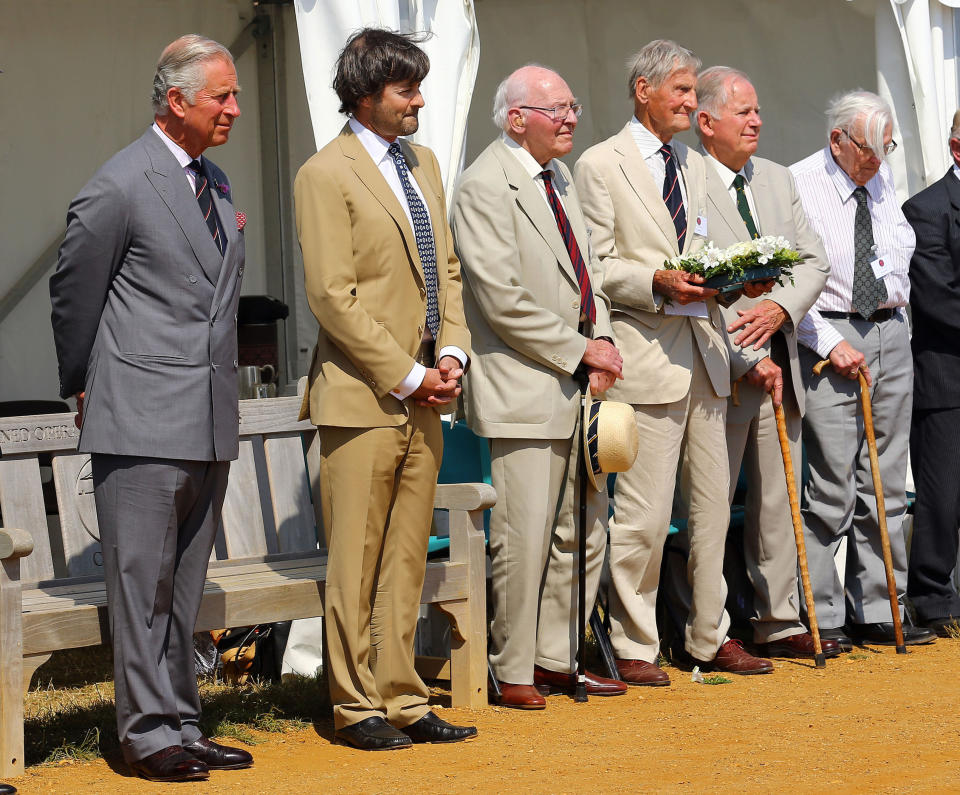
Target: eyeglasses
[558, 112]
[868, 150]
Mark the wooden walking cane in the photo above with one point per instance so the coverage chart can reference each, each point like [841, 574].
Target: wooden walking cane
[881, 508]
[820, 661]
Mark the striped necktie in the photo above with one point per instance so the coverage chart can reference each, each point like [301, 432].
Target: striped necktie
[587, 306]
[672, 196]
[423, 233]
[205, 200]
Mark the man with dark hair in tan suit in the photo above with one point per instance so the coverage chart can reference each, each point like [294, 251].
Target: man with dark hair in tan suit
[534, 303]
[384, 283]
[645, 199]
[748, 197]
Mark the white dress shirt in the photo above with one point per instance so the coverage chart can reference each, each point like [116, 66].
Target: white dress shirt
[534, 169]
[956, 171]
[827, 195]
[182, 157]
[727, 177]
[377, 147]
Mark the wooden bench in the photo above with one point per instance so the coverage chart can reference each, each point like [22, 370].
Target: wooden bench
[266, 565]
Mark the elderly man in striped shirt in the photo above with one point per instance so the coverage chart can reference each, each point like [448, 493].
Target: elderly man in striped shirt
[858, 323]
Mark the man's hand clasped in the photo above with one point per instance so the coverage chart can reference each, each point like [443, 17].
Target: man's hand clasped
[441, 384]
[604, 365]
[680, 286]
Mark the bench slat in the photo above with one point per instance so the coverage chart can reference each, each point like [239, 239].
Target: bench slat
[290, 492]
[243, 520]
[276, 415]
[78, 511]
[21, 503]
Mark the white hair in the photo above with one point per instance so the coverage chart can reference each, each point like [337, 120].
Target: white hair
[955, 127]
[712, 95]
[847, 109]
[181, 65]
[656, 61]
[512, 91]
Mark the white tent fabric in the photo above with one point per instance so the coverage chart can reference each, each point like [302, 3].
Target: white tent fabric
[917, 63]
[454, 49]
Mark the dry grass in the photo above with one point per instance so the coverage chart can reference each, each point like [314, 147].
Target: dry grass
[69, 712]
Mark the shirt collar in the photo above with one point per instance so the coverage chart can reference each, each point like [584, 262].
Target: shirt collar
[182, 157]
[375, 144]
[528, 161]
[846, 186]
[646, 141]
[727, 176]
[956, 171]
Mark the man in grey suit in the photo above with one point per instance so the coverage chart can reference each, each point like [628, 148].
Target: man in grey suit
[535, 307]
[748, 196]
[144, 318]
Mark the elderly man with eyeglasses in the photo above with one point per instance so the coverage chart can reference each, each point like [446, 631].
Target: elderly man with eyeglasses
[858, 323]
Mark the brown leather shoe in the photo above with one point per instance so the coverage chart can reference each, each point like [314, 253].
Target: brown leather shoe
[642, 673]
[170, 764]
[800, 645]
[734, 659]
[518, 697]
[548, 682]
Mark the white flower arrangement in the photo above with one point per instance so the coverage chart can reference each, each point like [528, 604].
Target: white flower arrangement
[767, 257]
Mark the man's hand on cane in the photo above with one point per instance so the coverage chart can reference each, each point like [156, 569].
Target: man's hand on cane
[767, 376]
[848, 361]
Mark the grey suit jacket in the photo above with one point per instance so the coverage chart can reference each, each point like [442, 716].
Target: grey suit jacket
[521, 299]
[144, 310]
[779, 212]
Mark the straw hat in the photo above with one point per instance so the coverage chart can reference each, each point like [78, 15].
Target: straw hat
[610, 438]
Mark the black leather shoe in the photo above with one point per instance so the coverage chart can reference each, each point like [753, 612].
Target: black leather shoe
[431, 729]
[170, 764]
[839, 634]
[218, 757]
[883, 635]
[373, 734]
[7, 789]
[946, 627]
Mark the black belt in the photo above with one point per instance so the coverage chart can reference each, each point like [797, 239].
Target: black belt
[877, 317]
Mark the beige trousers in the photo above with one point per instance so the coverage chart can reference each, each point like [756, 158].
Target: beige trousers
[533, 549]
[377, 486]
[769, 547]
[688, 435]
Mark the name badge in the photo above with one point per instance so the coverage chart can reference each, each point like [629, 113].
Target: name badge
[881, 266]
[701, 228]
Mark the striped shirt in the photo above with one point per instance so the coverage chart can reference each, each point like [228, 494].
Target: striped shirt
[649, 146]
[827, 195]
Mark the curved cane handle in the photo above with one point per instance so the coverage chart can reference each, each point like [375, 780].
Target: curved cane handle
[818, 367]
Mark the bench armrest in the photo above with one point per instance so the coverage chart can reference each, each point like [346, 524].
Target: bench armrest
[14, 543]
[465, 496]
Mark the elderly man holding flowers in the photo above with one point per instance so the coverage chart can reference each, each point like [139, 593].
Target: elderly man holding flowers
[747, 197]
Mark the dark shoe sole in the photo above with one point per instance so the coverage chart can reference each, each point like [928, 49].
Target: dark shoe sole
[173, 779]
[892, 642]
[239, 766]
[529, 707]
[466, 739]
[550, 690]
[344, 741]
[790, 654]
[645, 684]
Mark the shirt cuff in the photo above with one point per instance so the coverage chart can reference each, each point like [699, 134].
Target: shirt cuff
[411, 383]
[455, 352]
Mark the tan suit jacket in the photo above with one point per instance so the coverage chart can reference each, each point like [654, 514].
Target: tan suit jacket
[633, 235]
[357, 272]
[779, 212]
[522, 299]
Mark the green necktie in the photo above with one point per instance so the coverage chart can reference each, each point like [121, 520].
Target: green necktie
[743, 206]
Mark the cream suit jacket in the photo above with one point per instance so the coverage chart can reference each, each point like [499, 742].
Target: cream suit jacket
[365, 283]
[779, 212]
[633, 235]
[521, 299]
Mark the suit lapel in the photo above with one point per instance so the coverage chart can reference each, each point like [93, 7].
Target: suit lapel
[169, 181]
[438, 213]
[757, 179]
[535, 207]
[368, 173]
[952, 184]
[719, 197]
[641, 181]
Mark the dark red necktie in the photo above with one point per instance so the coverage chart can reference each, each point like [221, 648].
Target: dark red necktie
[205, 200]
[587, 306]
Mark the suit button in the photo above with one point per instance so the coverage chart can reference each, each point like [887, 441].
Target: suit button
[192, 279]
[240, 271]
[575, 305]
[420, 331]
[423, 293]
[235, 363]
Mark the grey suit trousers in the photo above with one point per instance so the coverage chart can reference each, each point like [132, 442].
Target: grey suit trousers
[158, 520]
[838, 499]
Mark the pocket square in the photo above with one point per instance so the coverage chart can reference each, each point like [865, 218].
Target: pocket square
[241, 220]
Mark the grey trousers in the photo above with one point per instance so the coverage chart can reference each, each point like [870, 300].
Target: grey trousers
[158, 521]
[838, 499]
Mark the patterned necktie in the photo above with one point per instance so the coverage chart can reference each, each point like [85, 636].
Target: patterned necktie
[423, 232]
[868, 291]
[743, 205]
[587, 306]
[205, 200]
[671, 194]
